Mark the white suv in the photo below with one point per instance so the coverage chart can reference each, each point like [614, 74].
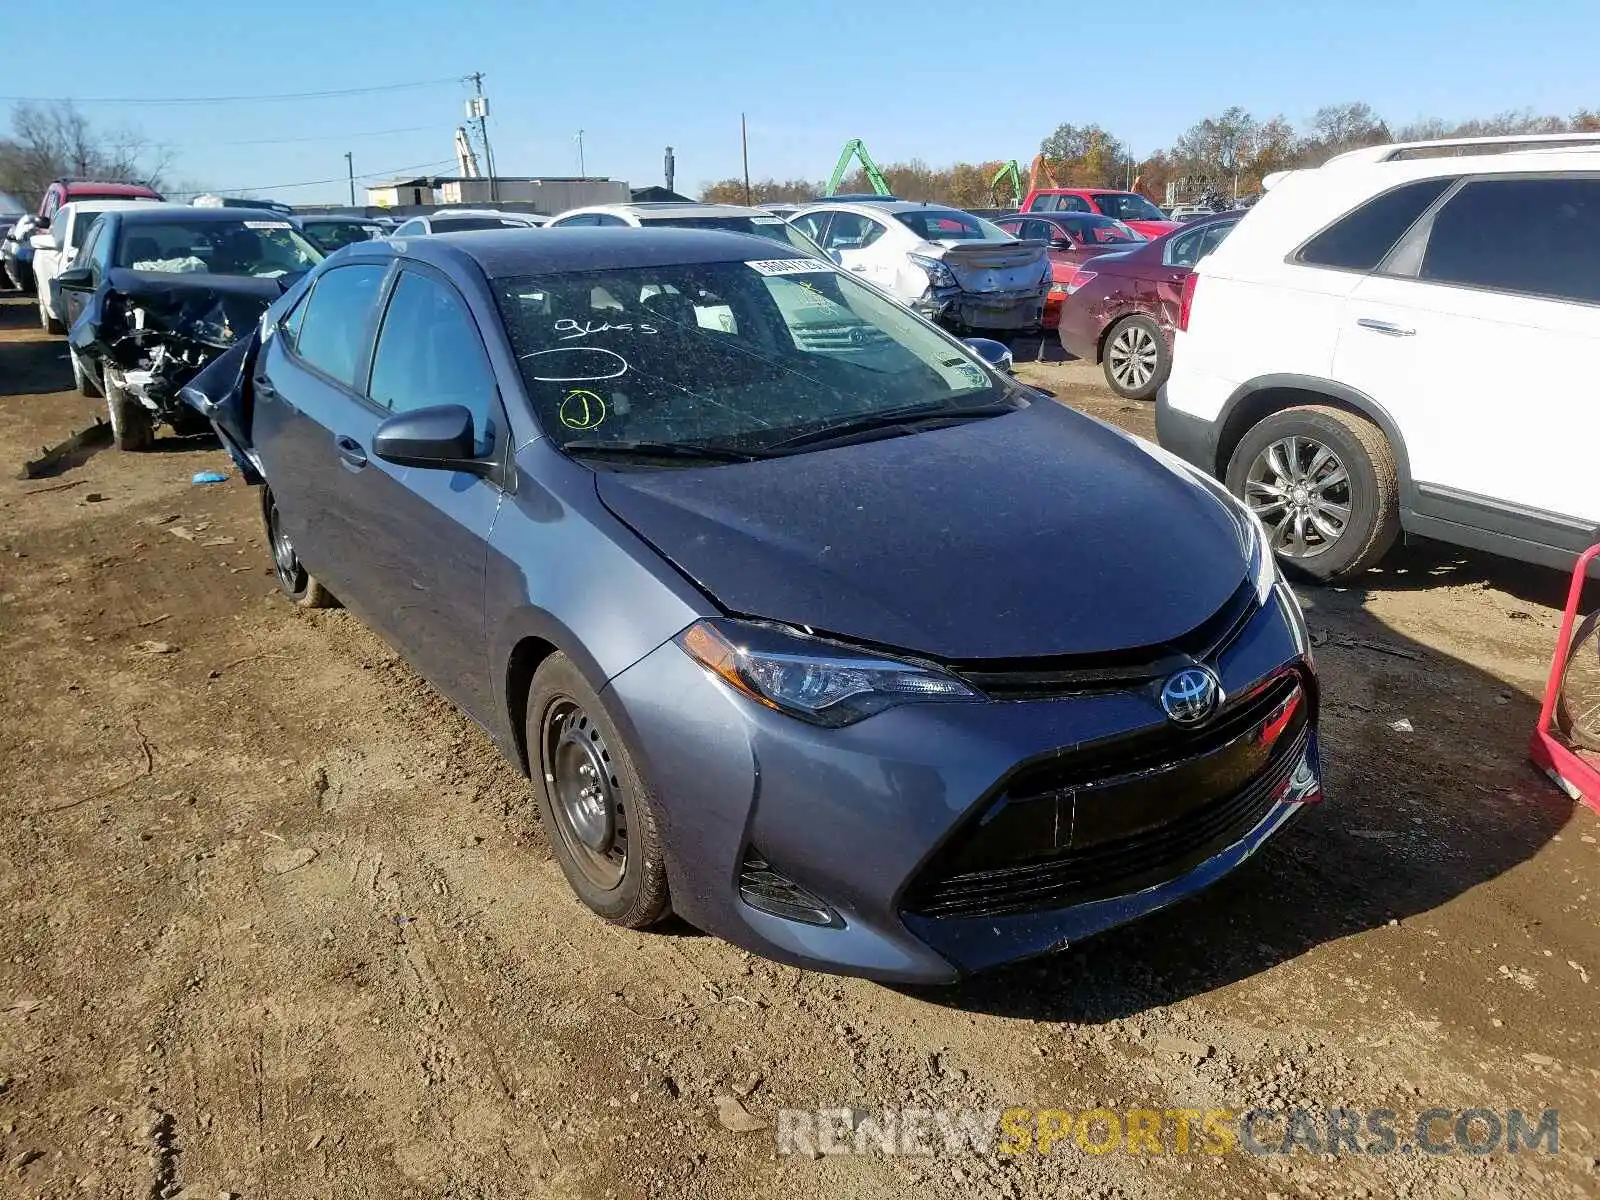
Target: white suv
[1406, 338]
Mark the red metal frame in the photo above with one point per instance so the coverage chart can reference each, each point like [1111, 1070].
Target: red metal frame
[1579, 777]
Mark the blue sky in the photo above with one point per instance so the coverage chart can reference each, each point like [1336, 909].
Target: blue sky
[940, 80]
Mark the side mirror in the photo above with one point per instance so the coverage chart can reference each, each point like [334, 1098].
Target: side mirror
[996, 354]
[78, 278]
[43, 241]
[1061, 243]
[440, 438]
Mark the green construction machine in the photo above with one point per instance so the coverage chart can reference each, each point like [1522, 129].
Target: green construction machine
[1010, 173]
[855, 148]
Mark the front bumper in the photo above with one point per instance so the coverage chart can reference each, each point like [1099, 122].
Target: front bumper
[865, 817]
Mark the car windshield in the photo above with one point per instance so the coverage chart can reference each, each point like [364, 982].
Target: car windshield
[333, 235]
[727, 356]
[263, 248]
[1128, 206]
[949, 224]
[773, 228]
[1099, 231]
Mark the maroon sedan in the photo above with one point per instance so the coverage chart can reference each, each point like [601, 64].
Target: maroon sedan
[1072, 238]
[1119, 309]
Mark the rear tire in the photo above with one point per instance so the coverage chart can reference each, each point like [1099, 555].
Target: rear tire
[596, 810]
[1136, 358]
[1578, 705]
[299, 584]
[81, 379]
[1324, 483]
[132, 427]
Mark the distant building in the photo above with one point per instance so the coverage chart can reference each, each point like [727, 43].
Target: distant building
[402, 193]
[547, 194]
[656, 194]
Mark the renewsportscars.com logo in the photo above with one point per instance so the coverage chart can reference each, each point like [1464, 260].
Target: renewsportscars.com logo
[1260, 1131]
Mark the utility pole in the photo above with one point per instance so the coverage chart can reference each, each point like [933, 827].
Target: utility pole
[744, 146]
[478, 107]
[350, 166]
[582, 174]
[670, 164]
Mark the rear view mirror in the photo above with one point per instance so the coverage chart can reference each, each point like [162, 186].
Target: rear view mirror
[80, 278]
[439, 438]
[996, 354]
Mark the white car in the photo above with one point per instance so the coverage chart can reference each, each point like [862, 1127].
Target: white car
[947, 265]
[732, 218]
[1404, 340]
[460, 220]
[54, 250]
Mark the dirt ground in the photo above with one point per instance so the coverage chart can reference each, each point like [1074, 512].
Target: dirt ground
[276, 922]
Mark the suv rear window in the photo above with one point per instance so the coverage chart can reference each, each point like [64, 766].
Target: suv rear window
[1536, 236]
[1359, 240]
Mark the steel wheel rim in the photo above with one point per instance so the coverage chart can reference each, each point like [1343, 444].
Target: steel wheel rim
[585, 794]
[1301, 491]
[284, 560]
[1133, 356]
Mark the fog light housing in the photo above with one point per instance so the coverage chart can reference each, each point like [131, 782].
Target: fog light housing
[768, 890]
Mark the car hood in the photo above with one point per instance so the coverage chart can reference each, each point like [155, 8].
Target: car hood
[1042, 532]
[1154, 229]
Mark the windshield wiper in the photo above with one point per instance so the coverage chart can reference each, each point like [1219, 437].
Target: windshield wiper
[890, 418]
[638, 449]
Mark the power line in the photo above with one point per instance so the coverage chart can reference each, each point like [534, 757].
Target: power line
[361, 91]
[321, 137]
[278, 187]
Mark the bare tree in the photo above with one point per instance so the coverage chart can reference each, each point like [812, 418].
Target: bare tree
[50, 141]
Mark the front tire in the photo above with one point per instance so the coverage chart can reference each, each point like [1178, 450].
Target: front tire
[1325, 485]
[299, 584]
[595, 807]
[49, 323]
[132, 427]
[1136, 359]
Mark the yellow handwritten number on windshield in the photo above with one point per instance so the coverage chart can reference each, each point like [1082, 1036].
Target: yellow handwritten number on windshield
[582, 409]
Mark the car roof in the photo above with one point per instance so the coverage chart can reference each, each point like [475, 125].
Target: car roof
[500, 253]
[1084, 191]
[150, 214]
[887, 206]
[100, 204]
[306, 218]
[647, 209]
[88, 187]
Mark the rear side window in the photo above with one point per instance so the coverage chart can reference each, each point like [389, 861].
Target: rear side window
[1538, 236]
[333, 329]
[429, 353]
[1359, 240]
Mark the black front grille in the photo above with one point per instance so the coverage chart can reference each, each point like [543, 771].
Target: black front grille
[1074, 674]
[1116, 817]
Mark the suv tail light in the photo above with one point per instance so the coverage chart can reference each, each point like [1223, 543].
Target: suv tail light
[1079, 278]
[1186, 302]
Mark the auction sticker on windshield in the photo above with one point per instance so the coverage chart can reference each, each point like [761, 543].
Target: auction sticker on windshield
[788, 266]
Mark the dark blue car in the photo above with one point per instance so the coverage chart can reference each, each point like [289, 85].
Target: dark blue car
[805, 623]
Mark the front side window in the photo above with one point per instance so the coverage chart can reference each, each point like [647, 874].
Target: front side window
[1360, 240]
[333, 328]
[1536, 236]
[429, 353]
[262, 249]
[949, 224]
[1128, 206]
[728, 356]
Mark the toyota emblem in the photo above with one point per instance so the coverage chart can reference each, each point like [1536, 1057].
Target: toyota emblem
[1191, 696]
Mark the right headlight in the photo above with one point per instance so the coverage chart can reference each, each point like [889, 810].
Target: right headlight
[816, 681]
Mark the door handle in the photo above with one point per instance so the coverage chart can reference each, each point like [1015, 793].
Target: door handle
[859, 267]
[1388, 327]
[351, 456]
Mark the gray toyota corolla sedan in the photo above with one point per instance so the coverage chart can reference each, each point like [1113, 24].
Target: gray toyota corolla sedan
[805, 623]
